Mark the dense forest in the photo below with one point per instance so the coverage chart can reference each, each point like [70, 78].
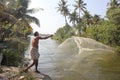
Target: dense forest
[105, 30]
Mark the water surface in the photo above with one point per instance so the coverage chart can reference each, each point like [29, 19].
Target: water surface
[78, 59]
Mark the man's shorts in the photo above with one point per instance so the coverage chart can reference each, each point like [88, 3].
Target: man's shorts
[34, 53]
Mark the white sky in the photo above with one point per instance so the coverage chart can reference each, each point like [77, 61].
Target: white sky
[51, 20]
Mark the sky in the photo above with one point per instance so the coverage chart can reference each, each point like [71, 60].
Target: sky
[51, 20]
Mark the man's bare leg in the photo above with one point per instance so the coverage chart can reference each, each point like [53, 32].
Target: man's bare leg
[26, 70]
[36, 66]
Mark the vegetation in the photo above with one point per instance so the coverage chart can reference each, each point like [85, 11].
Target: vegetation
[15, 19]
[105, 30]
[14, 28]
[63, 8]
[63, 33]
[13, 54]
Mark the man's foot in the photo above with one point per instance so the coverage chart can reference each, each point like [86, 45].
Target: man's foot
[37, 71]
[25, 71]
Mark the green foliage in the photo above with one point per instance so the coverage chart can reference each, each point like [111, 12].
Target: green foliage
[113, 14]
[15, 18]
[14, 53]
[11, 57]
[63, 33]
[105, 30]
[104, 33]
[118, 50]
[63, 9]
[19, 44]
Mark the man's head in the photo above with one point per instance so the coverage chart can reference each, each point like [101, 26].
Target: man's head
[36, 33]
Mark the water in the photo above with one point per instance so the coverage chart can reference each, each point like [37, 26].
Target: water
[78, 59]
[46, 60]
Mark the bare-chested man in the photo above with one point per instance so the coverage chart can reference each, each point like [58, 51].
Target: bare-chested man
[34, 51]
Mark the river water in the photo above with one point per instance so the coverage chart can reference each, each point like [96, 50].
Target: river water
[78, 59]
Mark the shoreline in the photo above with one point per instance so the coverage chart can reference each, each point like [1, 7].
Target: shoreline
[16, 73]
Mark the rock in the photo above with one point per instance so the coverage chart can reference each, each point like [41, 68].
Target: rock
[13, 73]
[21, 78]
[40, 76]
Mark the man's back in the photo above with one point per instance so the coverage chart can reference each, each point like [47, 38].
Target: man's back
[35, 42]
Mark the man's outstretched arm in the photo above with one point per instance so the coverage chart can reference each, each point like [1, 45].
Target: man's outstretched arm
[45, 37]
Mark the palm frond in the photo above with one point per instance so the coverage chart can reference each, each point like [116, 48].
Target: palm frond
[34, 10]
[2, 7]
[24, 3]
[32, 19]
[25, 23]
[9, 17]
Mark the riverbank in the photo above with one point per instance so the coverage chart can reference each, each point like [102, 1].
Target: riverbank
[8, 72]
[16, 73]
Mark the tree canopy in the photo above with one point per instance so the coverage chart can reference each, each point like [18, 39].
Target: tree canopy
[105, 30]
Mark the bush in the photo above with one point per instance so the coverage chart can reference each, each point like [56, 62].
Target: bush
[118, 50]
[11, 57]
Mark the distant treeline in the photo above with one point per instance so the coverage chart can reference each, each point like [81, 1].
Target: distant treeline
[105, 30]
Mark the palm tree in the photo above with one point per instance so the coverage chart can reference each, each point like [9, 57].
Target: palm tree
[73, 18]
[22, 13]
[114, 3]
[4, 15]
[63, 8]
[5, 18]
[95, 20]
[80, 5]
[87, 19]
[19, 14]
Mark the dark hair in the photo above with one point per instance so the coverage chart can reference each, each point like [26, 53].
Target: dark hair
[36, 33]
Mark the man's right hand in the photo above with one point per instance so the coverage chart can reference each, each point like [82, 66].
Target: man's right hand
[51, 36]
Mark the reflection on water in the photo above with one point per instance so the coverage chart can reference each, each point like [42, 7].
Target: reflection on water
[78, 59]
